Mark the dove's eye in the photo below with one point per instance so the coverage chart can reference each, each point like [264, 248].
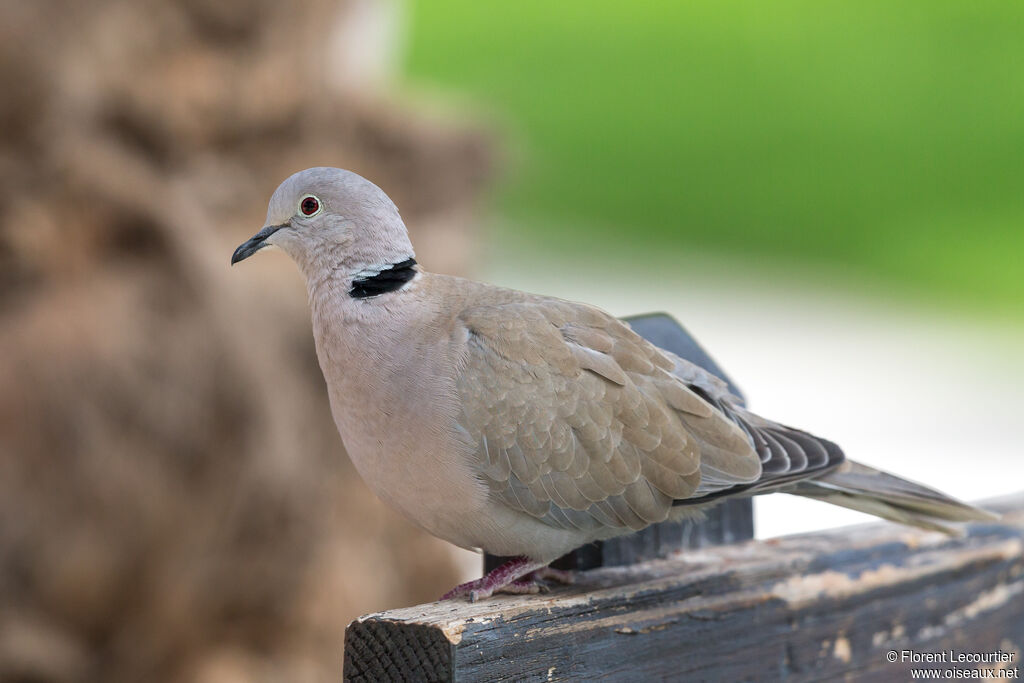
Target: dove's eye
[309, 205]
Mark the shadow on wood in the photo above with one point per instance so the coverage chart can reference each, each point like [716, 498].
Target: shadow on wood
[809, 607]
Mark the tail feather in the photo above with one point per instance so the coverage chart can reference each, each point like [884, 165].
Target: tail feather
[878, 493]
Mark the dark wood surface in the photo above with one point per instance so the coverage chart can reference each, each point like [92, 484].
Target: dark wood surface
[803, 608]
[728, 522]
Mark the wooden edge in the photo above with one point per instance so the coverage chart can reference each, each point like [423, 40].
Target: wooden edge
[809, 606]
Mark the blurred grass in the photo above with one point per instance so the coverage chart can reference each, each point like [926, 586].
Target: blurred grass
[887, 138]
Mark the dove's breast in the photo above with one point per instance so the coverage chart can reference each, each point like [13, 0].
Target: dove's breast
[392, 392]
[391, 372]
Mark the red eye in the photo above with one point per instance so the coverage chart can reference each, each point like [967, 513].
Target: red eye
[309, 205]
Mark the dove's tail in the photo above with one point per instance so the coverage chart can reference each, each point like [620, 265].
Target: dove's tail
[878, 493]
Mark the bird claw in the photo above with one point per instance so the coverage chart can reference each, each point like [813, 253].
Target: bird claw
[478, 590]
[517, 587]
[563, 576]
[471, 589]
[518, 577]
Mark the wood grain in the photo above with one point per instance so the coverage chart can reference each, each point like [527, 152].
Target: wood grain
[809, 607]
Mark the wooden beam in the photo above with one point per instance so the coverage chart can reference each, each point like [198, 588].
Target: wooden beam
[806, 607]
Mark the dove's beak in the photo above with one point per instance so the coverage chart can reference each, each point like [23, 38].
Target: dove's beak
[254, 243]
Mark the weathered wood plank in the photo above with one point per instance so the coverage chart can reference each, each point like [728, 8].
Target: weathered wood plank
[809, 607]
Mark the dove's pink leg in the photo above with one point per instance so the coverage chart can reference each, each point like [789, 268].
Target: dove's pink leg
[518, 575]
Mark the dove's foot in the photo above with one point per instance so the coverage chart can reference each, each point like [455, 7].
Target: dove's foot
[510, 576]
[563, 576]
[520, 575]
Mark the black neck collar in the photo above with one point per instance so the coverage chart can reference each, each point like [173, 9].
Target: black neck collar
[390, 279]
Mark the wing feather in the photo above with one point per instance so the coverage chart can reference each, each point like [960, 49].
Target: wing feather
[583, 424]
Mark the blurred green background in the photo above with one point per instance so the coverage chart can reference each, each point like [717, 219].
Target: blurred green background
[880, 140]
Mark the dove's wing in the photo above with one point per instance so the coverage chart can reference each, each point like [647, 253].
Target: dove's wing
[582, 423]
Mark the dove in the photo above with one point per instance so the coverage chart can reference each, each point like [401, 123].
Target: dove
[525, 425]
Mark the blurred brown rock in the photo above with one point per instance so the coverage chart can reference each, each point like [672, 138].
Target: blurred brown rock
[175, 503]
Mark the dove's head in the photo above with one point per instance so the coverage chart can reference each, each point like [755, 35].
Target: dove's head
[332, 221]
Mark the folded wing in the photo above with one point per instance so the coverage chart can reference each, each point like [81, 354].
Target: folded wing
[582, 423]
